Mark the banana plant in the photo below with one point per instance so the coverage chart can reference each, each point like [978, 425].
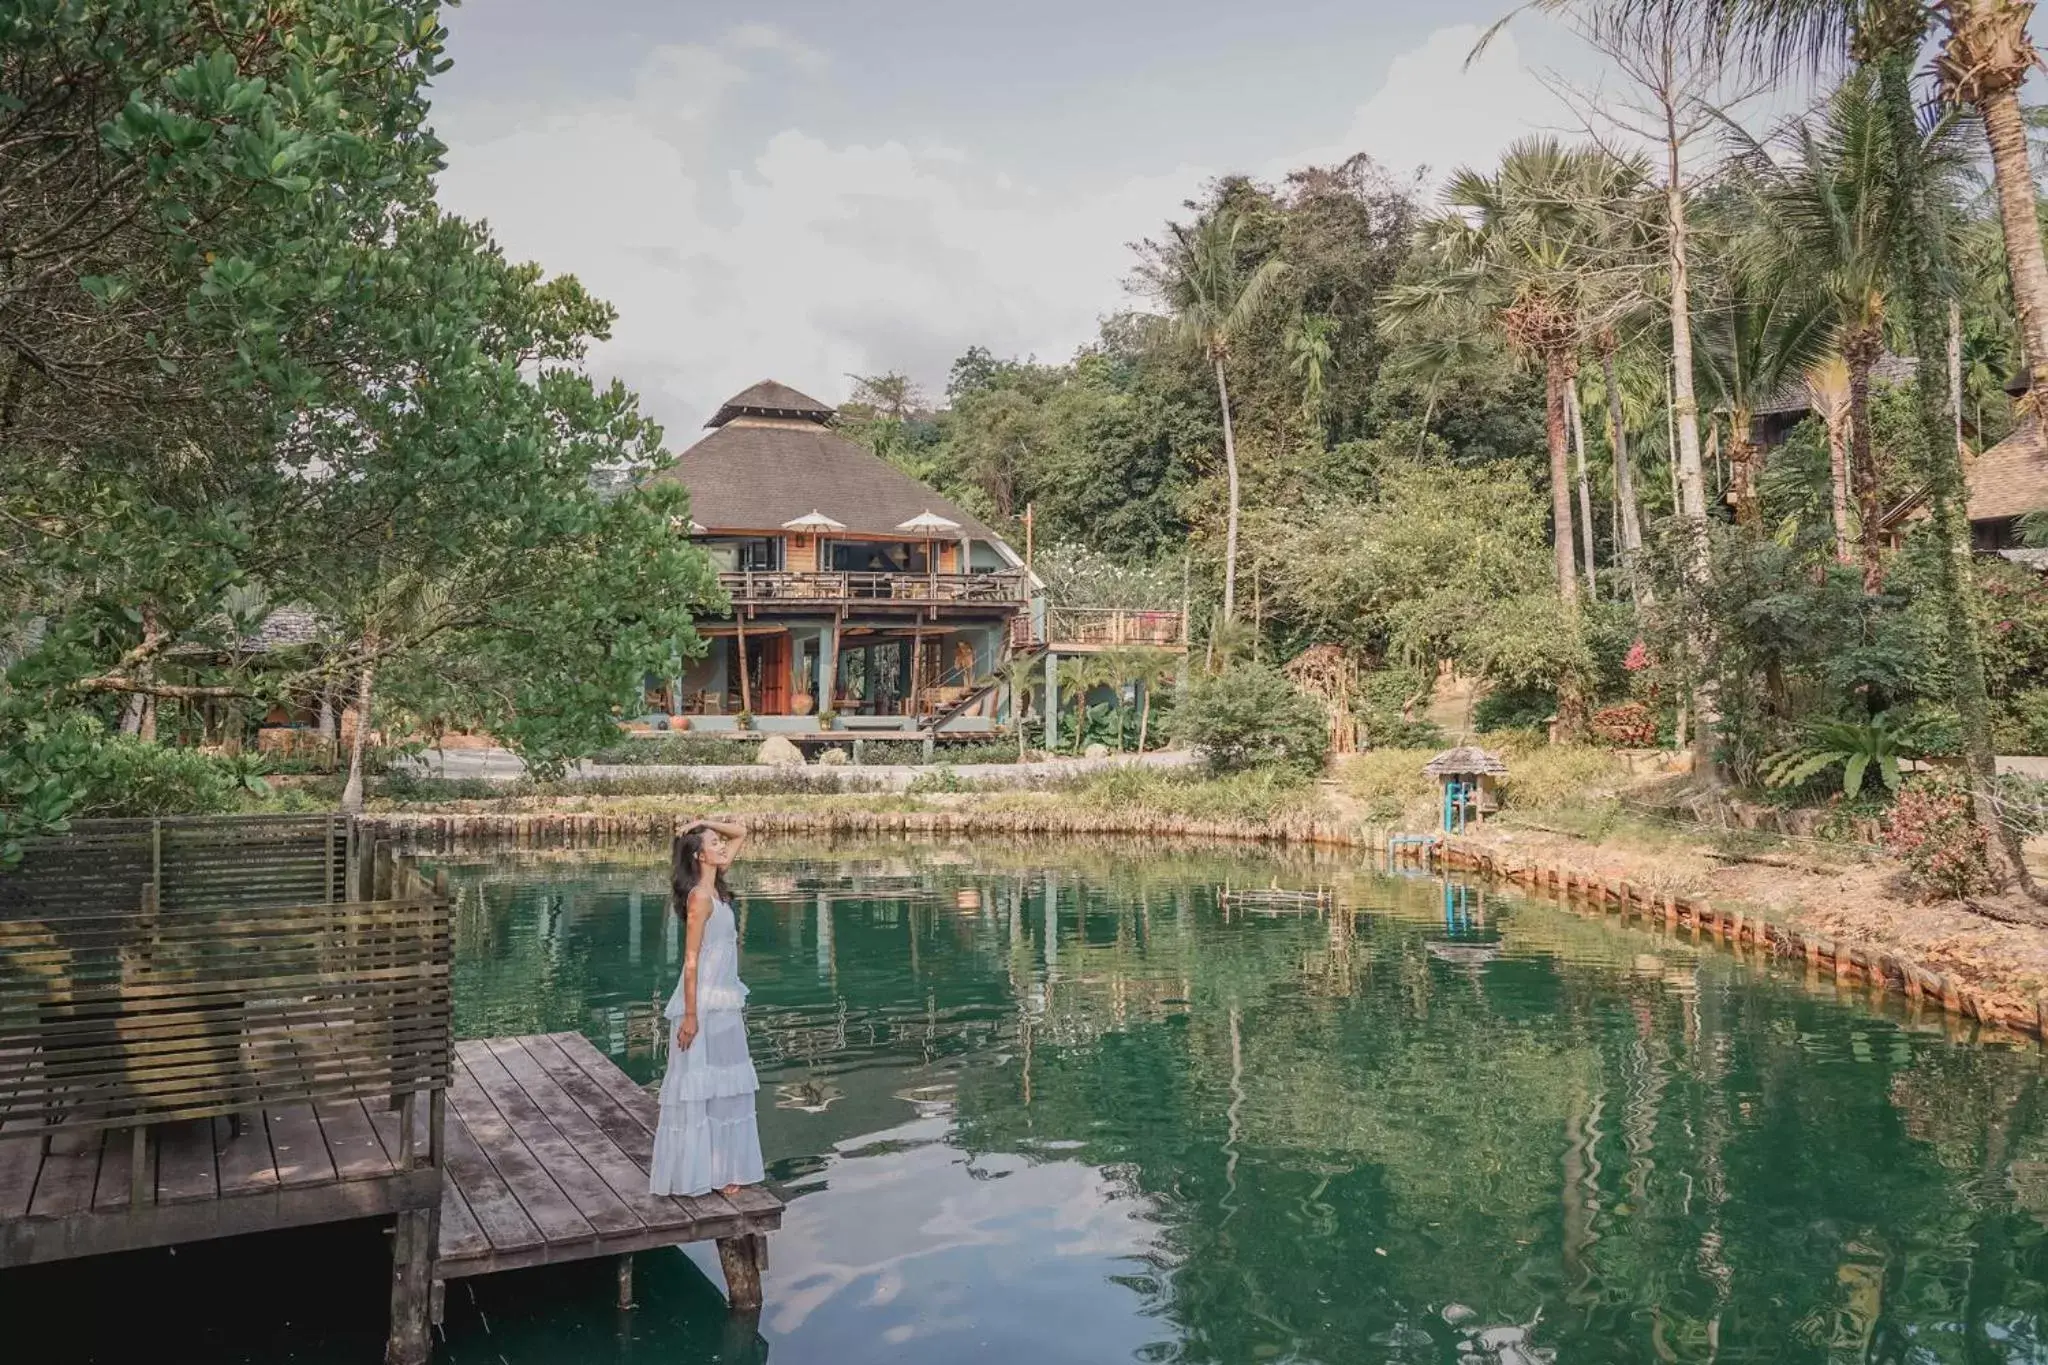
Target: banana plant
[1856, 746]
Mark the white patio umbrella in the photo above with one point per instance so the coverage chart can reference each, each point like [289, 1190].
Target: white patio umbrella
[814, 524]
[933, 528]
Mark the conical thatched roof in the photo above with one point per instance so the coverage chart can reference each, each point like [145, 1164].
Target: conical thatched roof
[773, 460]
[1465, 760]
[771, 399]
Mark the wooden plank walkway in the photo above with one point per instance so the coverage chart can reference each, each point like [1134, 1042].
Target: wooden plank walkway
[548, 1149]
[292, 1165]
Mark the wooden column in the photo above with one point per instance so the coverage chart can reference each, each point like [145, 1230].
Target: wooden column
[739, 619]
[743, 1258]
[412, 1286]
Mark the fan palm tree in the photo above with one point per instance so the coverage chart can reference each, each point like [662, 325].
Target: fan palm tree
[1525, 249]
[1214, 289]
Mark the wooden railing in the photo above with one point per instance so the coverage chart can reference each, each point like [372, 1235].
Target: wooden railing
[1115, 626]
[192, 976]
[760, 585]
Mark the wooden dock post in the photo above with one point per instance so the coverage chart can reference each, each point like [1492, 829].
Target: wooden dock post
[412, 1286]
[743, 1258]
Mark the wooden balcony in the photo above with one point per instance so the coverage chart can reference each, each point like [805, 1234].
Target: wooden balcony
[757, 587]
[1086, 630]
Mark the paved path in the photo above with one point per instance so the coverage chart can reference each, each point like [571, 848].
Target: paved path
[502, 765]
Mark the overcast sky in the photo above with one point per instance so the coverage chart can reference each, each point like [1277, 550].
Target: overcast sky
[808, 189]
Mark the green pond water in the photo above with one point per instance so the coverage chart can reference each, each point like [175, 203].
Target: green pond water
[1047, 1103]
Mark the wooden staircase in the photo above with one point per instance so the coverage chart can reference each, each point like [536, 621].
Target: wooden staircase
[945, 715]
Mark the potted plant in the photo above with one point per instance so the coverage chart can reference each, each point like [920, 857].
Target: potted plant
[827, 719]
[679, 722]
[800, 703]
[743, 721]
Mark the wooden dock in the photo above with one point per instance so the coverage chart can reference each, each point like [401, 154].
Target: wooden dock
[291, 1165]
[548, 1149]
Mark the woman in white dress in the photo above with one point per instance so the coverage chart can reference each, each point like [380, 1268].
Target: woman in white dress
[707, 1139]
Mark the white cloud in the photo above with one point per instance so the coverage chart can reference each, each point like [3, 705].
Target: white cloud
[1435, 112]
[769, 38]
[810, 259]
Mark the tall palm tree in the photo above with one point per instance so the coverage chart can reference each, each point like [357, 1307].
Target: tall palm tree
[1525, 249]
[1752, 335]
[1829, 220]
[1985, 58]
[1827, 388]
[1214, 287]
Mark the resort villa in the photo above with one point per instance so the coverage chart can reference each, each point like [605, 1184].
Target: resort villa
[861, 599]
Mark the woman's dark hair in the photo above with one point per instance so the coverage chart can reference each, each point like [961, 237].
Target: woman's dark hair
[685, 864]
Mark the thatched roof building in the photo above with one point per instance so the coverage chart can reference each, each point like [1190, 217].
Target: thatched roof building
[2011, 478]
[772, 457]
[1467, 760]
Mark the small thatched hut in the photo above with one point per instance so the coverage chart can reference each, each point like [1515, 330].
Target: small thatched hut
[1466, 778]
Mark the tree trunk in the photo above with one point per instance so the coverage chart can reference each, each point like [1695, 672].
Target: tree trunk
[1685, 416]
[1585, 491]
[352, 794]
[1945, 485]
[1556, 374]
[1624, 480]
[1144, 713]
[1230, 474]
[1860, 349]
[1742, 458]
[1838, 484]
[2005, 129]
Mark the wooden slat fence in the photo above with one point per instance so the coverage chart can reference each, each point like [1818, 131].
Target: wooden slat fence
[226, 991]
[194, 863]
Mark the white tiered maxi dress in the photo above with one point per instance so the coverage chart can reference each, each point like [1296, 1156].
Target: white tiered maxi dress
[707, 1138]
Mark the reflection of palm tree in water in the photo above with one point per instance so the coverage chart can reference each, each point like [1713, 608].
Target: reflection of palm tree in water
[1234, 1114]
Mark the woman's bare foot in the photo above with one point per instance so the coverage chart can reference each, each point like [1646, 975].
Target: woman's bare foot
[732, 1189]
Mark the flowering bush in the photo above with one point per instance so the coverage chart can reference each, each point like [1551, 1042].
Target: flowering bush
[1629, 725]
[1931, 829]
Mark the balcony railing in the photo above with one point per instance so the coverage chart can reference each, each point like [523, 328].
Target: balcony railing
[1105, 626]
[761, 585]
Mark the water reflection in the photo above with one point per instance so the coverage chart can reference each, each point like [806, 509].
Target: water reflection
[1043, 1104]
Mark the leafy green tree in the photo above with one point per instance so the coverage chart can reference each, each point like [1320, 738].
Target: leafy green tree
[307, 387]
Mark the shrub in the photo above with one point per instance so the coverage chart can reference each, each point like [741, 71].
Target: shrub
[1250, 716]
[1560, 777]
[684, 749]
[1388, 783]
[1629, 725]
[1933, 831]
[132, 777]
[1258, 794]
